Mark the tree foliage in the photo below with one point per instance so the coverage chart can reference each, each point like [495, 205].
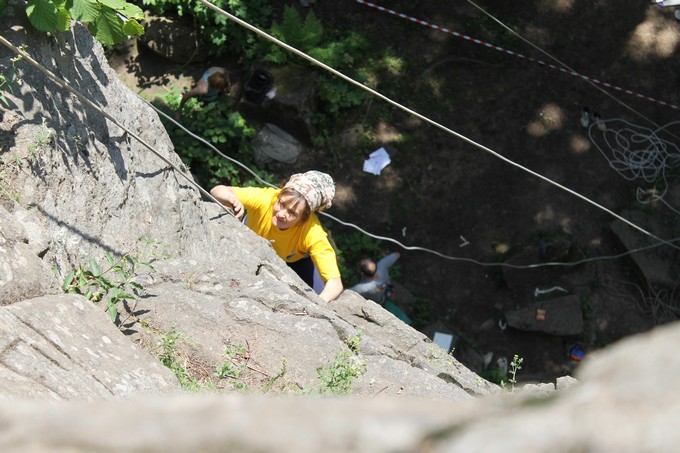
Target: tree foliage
[303, 34]
[219, 32]
[225, 129]
[109, 21]
[347, 52]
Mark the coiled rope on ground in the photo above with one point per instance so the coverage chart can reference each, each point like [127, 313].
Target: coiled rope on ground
[638, 153]
[428, 120]
[660, 305]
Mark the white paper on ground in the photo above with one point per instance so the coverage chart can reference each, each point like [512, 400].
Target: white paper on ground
[376, 161]
[443, 340]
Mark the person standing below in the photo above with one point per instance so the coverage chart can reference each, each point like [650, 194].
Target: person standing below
[286, 217]
[375, 277]
[213, 82]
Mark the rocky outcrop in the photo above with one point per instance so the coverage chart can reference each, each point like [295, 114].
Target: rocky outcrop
[614, 408]
[94, 189]
[62, 348]
[219, 305]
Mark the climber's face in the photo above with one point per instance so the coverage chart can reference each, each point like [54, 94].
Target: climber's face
[288, 212]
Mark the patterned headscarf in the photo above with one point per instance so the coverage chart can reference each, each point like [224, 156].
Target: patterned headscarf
[317, 188]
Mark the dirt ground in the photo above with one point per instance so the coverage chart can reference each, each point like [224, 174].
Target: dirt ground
[460, 194]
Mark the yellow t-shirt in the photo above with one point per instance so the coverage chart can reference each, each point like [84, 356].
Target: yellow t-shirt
[295, 243]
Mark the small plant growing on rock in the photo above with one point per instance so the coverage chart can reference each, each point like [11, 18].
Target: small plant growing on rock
[515, 366]
[233, 367]
[338, 377]
[115, 281]
[439, 357]
[42, 139]
[282, 372]
[4, 85]
[10, 76]
[502, 375]
[172, 358]
[175, 351]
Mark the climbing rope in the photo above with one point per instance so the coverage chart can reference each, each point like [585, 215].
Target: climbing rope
[65, 86]
[428, 120]
[637, 153]
[563, 68]
[400, 244]
[660, 305]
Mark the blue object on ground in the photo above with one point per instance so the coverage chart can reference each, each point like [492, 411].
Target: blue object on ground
[398, 312]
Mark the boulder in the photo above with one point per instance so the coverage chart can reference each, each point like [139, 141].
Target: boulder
[273, 143]
[23, 274]
[561, 316]
[215, 290]
[608, 410]
[64, 347]
[658, 269]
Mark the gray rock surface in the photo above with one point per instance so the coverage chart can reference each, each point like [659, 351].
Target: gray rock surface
[95, 188]
[89, 188]
[23, 274]
[62, 348]
[273, 143]
[613, 409]
[658, 270]
[559, 316]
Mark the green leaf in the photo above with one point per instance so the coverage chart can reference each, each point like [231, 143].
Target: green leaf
[67, 281]
[85, 10]
[313, 29]
[133, 28]
[132, 11]
[109, 259]
[43, 14]
[82, 280]
[113, 312]
[94, 267]
[63, 17]
[3, 3]
[105, 283]
[108, 28]
[113, 4]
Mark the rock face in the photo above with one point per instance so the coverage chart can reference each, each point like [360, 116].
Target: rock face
[559, 316]
[614, 408]
[273, 143]
[19, 256]
[62, 348]
[219, 306]
[217, 293]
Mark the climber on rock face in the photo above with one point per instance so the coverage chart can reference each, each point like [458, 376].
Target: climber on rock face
[287, 218]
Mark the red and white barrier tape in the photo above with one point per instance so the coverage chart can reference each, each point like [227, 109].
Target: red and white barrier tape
[516, 54]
